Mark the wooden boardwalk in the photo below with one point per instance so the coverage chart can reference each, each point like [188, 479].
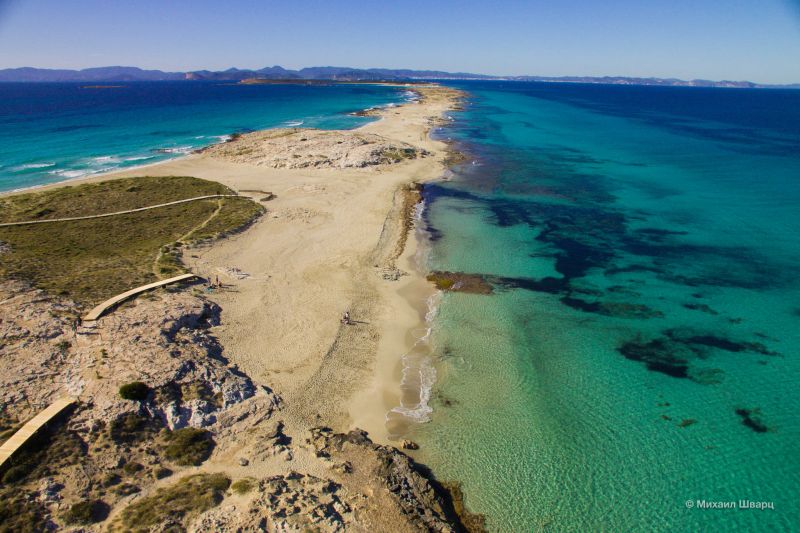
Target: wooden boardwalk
[98, 311]
[88, 217]
[33, 425]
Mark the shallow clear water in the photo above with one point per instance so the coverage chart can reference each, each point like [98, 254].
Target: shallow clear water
[56, 131]
[641, 346]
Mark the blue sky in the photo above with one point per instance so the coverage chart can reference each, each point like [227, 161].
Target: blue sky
[757, 40]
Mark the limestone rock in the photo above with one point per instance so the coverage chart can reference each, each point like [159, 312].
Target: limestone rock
[309, 148]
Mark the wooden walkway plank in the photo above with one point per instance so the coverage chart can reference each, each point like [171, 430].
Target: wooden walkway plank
[33, 425]
[98, 311]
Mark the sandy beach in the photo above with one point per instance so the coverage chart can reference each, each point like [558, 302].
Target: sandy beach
[256, 383]
[329, 241]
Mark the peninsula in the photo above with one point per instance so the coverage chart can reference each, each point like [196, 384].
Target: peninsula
[241, 402]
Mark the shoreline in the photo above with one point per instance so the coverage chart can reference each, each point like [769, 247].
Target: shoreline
[375, 111]
[357, 372]
[301, 397]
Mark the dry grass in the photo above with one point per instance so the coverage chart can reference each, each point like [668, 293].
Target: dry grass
[188, 497]
[91, 260]
[243, 486]
[188, 446]
[104, 197]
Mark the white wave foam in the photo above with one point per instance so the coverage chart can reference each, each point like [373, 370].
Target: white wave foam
[175, 150]
[293, 123]
[139, 158]
[70, 173]
[418, 370]
[106, 159]
[32, 166]
[421, 412]
[79, 173]
[411, 96]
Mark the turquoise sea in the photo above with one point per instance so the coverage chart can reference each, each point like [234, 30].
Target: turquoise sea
[56, 131]
[641, 347]
[640, 354]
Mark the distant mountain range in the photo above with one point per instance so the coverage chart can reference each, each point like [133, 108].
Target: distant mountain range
[124, 74]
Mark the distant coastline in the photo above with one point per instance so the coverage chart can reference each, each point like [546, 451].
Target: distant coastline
[278, 74]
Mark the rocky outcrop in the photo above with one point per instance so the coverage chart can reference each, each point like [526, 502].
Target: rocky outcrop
[420, 503]
[309, 148]
[111, 448]
[367, 488]
[36, 341]
[164, 343]
[285, 503]
[114, 450]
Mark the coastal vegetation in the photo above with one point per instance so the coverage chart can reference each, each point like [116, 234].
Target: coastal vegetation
[188, 446]
[188, 497]
[152, 429]
[136, 391]
[58, 450]
[87, 512]
[243, 486]
[92, 259]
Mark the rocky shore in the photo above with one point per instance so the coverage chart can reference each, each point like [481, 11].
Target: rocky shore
[116, 453]
[224, 410]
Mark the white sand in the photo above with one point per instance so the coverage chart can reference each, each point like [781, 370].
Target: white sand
[312, 257]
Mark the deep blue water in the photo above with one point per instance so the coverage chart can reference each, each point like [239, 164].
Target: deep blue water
[56, 131]
[642, 347]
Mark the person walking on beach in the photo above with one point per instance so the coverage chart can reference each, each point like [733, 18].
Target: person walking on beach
[346, 318]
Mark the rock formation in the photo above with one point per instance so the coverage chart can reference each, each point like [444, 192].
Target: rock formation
[304, 148]
[200, 448]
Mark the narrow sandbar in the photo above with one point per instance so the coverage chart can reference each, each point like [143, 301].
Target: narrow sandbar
[325, 246]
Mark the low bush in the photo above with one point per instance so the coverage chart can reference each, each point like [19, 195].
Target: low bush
[188, 497]
[243, 486]
[132, 467]
[19, 513]
[87, 512]
[188, 446]
[136, 391]
[131, 427]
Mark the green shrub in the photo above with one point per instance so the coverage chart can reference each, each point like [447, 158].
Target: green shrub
[131, 427]
[19, 513]
[132, 467]
[188, 446]
[87, 512]
[15, 473]
[161, 473]
[110, 479]
[126, 489]
[190, 496]
[243, 486]
[136, 391]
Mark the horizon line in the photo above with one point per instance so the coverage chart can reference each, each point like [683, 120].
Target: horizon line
[495, 76]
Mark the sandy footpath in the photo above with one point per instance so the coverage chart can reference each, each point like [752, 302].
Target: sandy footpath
[323, 247]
